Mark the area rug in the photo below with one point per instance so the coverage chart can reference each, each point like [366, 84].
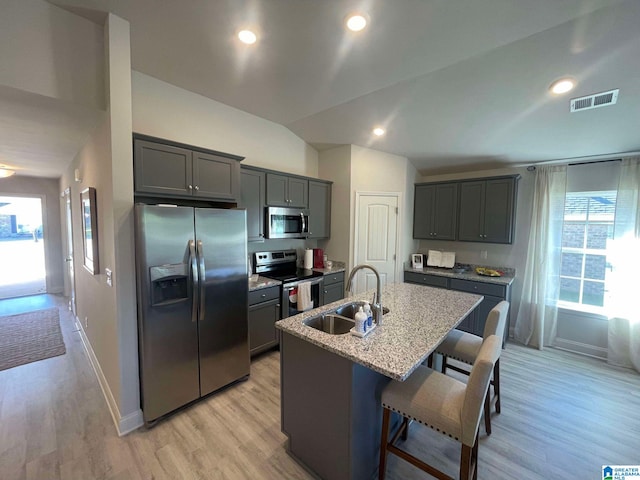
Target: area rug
[30, 337]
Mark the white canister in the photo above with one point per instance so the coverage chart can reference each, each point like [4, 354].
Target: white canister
[308, 258]
[361, 321]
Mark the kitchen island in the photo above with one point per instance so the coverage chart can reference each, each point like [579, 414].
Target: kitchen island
[331, 384]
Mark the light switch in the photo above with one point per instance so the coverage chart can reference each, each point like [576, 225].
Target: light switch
[107, 272]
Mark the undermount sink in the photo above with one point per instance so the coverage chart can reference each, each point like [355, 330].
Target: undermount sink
[330, 323]
[349, 310]
[339, 321]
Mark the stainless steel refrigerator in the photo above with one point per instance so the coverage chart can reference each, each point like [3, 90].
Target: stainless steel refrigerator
[192, 303]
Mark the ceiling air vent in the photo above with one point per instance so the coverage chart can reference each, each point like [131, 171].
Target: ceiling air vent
[594, 101]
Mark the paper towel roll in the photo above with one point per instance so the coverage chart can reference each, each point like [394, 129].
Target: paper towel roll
[308, 258]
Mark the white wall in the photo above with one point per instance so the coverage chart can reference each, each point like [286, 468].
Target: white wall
[358, 169]
[49, 51]
[166, 111]
[107, 314]
[376, 171]
[335, 165]
[514, 255]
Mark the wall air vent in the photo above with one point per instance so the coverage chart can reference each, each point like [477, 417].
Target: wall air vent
[594, 101]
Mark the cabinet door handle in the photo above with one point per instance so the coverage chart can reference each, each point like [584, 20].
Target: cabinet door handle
[263, 295]
[197, 188]
[190, 187]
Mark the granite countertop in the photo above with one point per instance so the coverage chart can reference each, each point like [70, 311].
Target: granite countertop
[419, 318]
[335, 268]
[506, 279]
[262, 282]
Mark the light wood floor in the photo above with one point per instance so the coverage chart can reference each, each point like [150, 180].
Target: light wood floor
[563, 416]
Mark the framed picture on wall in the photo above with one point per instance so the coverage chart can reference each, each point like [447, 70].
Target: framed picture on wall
[90, 230]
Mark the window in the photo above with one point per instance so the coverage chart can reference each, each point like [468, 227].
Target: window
[587, 231]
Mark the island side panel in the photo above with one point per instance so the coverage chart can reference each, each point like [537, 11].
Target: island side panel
[315, 403]
[366, 421]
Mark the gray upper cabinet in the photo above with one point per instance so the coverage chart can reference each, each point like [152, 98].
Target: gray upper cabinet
[174, 170]
[287, 191]
[252, 198]
[487, 210]
[435, 211]
[215, 177]
[319, 209]
[162, 169]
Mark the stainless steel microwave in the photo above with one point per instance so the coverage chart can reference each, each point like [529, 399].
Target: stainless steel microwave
[286, 222]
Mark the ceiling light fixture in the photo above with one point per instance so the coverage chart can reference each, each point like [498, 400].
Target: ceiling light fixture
[6, 171]
[356, 22]
[562, 86]
[247, 37]
[378, 131]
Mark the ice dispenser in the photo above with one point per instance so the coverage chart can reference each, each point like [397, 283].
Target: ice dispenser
[169, 284]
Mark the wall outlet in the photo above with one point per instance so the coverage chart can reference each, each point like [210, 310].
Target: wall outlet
[86, 322]
[483, 254]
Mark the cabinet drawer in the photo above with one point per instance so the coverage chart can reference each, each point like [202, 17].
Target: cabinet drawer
[423, 279]
[481, 288]
[264, 294]
[333, 293]
[332, 278]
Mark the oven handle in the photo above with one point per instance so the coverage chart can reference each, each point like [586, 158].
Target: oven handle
[304, 224]
[290, 286]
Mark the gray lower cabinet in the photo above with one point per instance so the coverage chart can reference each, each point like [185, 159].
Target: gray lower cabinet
[319, 209]
[435, 211]
[287, 191]
[264, 311]
[493, 294]
[487, 210]
[175, 170]
[333, 284]
[252, 183]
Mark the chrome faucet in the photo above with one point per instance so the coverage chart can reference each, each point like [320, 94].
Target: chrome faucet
[376, 307]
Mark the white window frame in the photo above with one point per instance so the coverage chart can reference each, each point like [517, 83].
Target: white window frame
[584, 251]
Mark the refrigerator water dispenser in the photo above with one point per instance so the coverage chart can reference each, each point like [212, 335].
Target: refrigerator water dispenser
[169, 284]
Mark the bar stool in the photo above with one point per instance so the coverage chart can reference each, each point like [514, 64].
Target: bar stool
[443, 403]
[465, 347]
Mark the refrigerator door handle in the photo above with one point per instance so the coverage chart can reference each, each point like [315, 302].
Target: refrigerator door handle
[201, 270]
[194, 280]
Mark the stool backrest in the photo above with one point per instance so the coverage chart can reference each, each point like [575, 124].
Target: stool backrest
[496, 321]
[477, 388]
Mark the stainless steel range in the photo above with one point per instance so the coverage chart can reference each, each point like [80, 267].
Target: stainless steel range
[283, 265]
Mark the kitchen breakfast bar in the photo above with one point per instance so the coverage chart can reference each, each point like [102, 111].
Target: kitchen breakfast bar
[331, 384]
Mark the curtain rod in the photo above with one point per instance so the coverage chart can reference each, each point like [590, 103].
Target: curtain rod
[579, 160]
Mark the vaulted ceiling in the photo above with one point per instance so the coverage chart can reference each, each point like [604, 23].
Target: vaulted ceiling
[456, 84]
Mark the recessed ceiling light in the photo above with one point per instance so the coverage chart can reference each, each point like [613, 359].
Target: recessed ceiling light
[247, 36]
[356, 22]
[378, 131]
[6, 171]
[562, 86]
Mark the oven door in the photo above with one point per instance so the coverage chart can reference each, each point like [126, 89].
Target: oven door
[290, 296]
[287, 223]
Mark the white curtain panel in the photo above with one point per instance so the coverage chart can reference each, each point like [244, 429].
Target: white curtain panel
[623, 298]
[538, 314]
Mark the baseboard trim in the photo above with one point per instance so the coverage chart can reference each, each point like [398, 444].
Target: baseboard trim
[125, 424]
[581, 348]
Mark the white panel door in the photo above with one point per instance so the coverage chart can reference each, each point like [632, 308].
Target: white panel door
[377, 227]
